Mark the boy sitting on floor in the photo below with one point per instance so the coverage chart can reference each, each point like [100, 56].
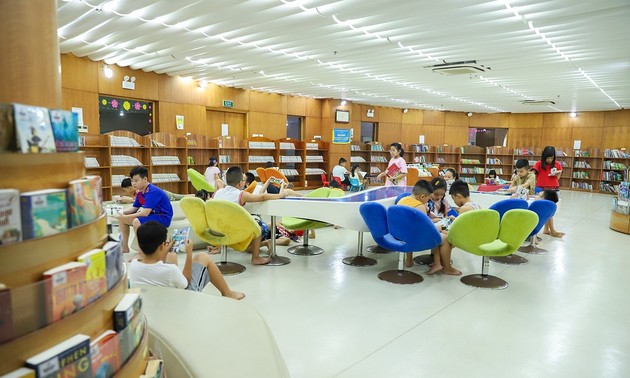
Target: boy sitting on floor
[461, 196]
[158, 266]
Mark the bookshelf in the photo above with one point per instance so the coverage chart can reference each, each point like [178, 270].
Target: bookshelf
[447, 156]
[421, 154]
[260, 151]
[586, 170]
[379, 158]
[500, 159]
[614, 169]
[199, 149]
[290, 160]
[472, 164]
[359, 154]
[620, 212]
[127, 150]
[232, 151]
[98, 159]
[169, 161]
[315, 156]
[22, 265]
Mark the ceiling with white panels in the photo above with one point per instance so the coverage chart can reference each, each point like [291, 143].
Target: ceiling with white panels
[571, 52]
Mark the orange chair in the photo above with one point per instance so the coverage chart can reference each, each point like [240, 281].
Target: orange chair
[272, 172]
[251, 187]
[260, 171]
[325, 181]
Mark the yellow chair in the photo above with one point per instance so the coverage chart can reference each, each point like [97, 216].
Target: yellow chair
[198, 181]
[221, 223]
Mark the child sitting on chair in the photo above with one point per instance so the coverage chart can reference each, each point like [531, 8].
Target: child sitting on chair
[461, 196]
[418, 199]
[158, 266]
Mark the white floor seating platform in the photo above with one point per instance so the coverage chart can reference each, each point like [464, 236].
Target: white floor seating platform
[203, 335]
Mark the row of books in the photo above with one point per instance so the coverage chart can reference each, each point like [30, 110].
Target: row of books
[472, 170]
[497, 151]
[624, 191]
[286, 146]
[190, 160]
[614, 165]
[581, 164]
[125, 161]
[312, 146]
[165, 160]
[498, 171]
[419, 159]
[470, 180]
[374, 169]
[316, 159]
[583, 175]
[581, 185]
[608, 187]
[290, 159]
[120, 141]
[117, 180]
[91, 162]
[621, 206]
[81, 357]
[263, 146]
[378, 159]
[63, 290]
[354, 147]
[260, 159]
[493, 161]
[578, 153]
[470, 161]
[289, 172]
[224, 159]
[616, 154]
[612, 176]
[40, 213]
[33, 129]
[155, 143]
[376, 147]
[315, 171]
[357, 159]
[419, 148]
[165, 177]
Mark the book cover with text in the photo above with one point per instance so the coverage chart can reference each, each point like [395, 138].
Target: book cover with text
[105, 352]
[65, 130]
[33, 131]
[70, 358]
[95, 279]
[10, 219]
[66, 291]
[113, 263]
[85, 200]
[43, 213]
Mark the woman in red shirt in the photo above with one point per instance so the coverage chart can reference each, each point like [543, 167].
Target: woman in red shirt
[547, 171]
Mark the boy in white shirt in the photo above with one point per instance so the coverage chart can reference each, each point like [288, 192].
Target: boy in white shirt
[158, 266]
[341, 172]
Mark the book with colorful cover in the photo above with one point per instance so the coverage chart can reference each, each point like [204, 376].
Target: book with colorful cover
[20, 373]
[6, 314]
[10, 219]
[33, 131]
[131, 336]
[66, 290]
[128, 307]
[392, 170]
[113, 263]
[43, 213]
[95, 278]
[85, 200]
[70, 358]
[180, 236]
[154, 369]
[105, 354]
[65, 130]
[7, 128]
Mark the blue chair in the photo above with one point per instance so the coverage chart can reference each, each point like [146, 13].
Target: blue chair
[502, 207]
[545, 209]
[355, 185]
[401, 196]
[378, 249]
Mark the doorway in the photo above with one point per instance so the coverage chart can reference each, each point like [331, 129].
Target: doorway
[368, 132]
[485, 137]
[294, 127]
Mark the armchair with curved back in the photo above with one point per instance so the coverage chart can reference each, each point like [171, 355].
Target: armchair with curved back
[502, 207]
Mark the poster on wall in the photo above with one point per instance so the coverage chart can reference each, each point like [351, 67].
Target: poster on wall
[179, 122]
[341, 136]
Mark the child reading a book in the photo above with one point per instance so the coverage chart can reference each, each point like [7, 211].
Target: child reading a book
[524, 178]
[461, 196]
[396, 173]
[420, 196]
[233, 193]
[158, 266]
[151, 204]
[547, 172]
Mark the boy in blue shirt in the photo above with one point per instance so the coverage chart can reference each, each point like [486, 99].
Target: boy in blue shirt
[151, 204]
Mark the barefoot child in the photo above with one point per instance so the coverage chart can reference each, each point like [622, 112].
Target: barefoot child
[547, 172]
[418, 199]
[158, 266]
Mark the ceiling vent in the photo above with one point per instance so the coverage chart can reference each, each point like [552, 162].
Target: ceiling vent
[459, 68]
[538, 102]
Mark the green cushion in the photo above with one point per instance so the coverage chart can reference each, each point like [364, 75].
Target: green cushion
[291, 223]
[516, 225]
[496, 248]
[198, 181]
[473, 229]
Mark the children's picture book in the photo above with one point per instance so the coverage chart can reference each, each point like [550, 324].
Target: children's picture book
[20, 373]
[6, 314]
[10, 219]
[66, 290]
[131, 336]
[7, 128]
[95, 279]
[43, 213]
[105, 353]
[33, 130]
[180, 236]
[85, 200]
[70, 358]
[392, 170]
[113, 263]
[65, 130]
[126, 310]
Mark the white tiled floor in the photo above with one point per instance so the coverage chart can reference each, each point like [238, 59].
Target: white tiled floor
[565, 314]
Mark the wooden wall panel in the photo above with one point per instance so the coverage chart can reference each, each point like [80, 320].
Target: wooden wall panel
[389, 115]
[88, 101]
[590, 136]
[616, 137]
[146, 83]
[433, 134]
[494, 120]
[178, 90]
[214, 119]
[456, 135]
[410, 132]
[377, 113]
[80, 74]
[296, 106]
[526, 120]
[587, 119]
[271, 125]
[525, 137]
[413, 116]
[555, 120]
[617, 118]
[389, 132]
[266, 102]
[312, 127]
[194, 118]
[456, 119]
[313, 107]
[557, 137]
[434, 117]
[237, 124]
[217, 94]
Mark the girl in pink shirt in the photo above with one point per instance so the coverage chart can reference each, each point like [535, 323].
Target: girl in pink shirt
[396, 173]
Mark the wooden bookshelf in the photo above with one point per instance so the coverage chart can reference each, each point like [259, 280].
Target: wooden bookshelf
[500, 159]
[199, 148]
[291, 160]
[97, 147]
[472, 164]
[314, 180]
[141, 153]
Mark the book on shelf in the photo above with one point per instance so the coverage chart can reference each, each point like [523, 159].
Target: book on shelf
[180, 236]
[33, 130]
[22, 372]
[95, 274]
[70, 358]
[10, 217]
[66, 291]
[7, 125]
[131, 336]
[6, 314]
[43, 213]
[154, 369]
[85, 200]
[128, 307]
[65, 127]
[113, 263]
[105, 354]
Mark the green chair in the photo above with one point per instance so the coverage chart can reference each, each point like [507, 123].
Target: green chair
[481, 233]
[198, 181]
[291, 223]
[221, 223]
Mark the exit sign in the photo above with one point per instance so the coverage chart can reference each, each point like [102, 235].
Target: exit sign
[228, 104]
